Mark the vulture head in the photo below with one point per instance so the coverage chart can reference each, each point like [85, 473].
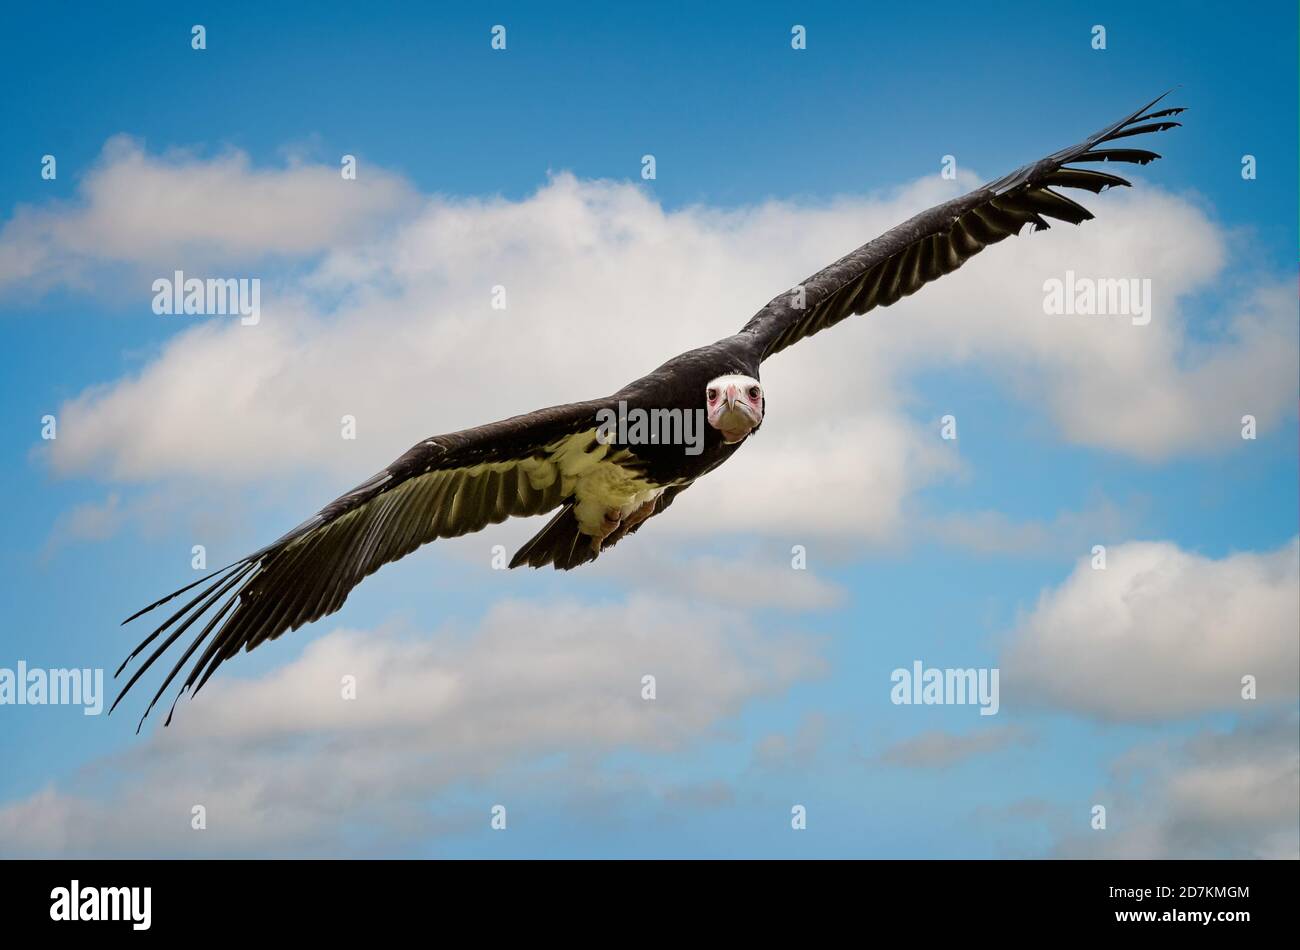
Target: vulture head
[735, 406]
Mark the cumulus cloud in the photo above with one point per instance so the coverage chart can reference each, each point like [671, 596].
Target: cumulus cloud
[738, 577]
[1216, 795]
[799, 750]
[177, 210]
[992, 532]
[1161, 633]
[152, 513]
[284, 764]
[602, 284]
[940, 750]
[85, 522]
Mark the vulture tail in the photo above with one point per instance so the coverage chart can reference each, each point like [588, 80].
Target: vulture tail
[560, 543]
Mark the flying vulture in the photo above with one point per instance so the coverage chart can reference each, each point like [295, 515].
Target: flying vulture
[602, 485]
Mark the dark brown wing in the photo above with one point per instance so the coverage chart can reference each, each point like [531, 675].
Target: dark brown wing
[443, 487]
[938, 241]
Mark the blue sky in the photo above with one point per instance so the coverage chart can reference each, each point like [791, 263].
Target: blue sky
[770, 162]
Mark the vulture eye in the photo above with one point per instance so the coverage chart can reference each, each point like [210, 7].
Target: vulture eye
[754, 392]
[712, 394]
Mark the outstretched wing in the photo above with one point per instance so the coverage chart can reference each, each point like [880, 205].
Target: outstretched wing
[442, 488]
[938, 241]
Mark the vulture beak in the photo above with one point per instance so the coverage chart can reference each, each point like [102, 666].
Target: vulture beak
[732, 410]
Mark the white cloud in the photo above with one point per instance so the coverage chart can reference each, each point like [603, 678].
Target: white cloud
[283, 764]
[85, 522]
[1216, 795]
[797, 751]
[940, 750]
[740, 577]
[1161, 632]
[137, 210]
[992, 532]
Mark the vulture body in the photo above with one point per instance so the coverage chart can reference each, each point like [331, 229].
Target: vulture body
[558, 460]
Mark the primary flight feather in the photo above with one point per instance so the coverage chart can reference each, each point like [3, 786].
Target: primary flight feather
[560, 459]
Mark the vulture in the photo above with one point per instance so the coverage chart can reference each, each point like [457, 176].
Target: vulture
[600, 482]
